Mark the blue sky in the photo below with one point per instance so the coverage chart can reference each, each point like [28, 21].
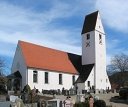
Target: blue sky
[58, 24]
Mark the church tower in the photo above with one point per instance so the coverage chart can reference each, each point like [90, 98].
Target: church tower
[94, 50]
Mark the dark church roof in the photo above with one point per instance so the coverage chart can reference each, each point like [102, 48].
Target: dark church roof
[84, 73]
[14, 75]
[90, 22]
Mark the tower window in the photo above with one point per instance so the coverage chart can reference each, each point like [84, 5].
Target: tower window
[46, 77]
[60, 78]
[88, 83]
[73, 79]
[35, 75]
[88, 36]
[100, 37]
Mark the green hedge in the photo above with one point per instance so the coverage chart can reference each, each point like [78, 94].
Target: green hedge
[97, 103]
[82, 104]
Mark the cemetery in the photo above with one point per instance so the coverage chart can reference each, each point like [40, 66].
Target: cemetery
[56, 98]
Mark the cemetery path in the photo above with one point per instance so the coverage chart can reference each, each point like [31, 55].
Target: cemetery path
[105, 97]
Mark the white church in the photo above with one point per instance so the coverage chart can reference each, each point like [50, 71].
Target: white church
[46, 68]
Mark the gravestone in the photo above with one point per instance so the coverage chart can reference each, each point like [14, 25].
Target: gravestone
[42, 103]
[31, 105]
[26, 97]
[58, 92]
[63, 91]
[96, 98]
[54, 103]
[82, 99]
[13, 98]
[67, 102]
[71, 91]
[10, 92]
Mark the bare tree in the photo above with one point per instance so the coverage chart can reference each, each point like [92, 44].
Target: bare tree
[110, 70]
[120, 64]
[2, 66]
[3, 79]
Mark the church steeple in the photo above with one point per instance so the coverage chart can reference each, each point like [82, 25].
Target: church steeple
[90, 22]
[94, 49]
[93, 22]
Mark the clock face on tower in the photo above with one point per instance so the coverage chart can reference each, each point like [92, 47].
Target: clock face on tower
[87, 44]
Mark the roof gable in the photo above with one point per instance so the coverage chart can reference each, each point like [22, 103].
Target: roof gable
[40, 57]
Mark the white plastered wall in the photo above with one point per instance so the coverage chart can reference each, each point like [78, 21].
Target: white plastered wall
[88, 53]
[102, 81]
[19, 65]
[91, 79]
[53, 80]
